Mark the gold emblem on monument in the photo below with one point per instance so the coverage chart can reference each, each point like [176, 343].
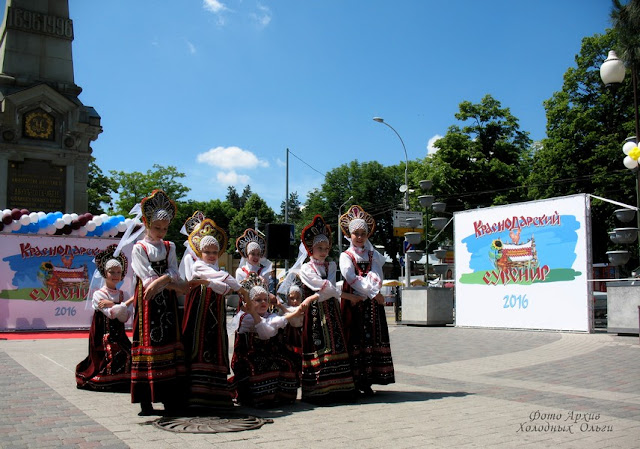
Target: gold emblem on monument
[38, 125]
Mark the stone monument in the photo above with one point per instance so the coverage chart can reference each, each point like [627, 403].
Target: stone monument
[45, 130]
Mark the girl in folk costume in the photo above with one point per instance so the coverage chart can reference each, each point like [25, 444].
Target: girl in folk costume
[365, 322]
[264, 374]
[204, 328]
[252, 246]
[326, 369]
[157, 369]
[108, 365]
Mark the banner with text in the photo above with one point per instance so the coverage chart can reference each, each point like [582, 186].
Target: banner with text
[44, 280]
[524, 265]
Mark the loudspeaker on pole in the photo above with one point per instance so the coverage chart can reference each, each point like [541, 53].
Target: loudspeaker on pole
[279, 236]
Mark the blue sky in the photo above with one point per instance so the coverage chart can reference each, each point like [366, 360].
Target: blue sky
[221, 88]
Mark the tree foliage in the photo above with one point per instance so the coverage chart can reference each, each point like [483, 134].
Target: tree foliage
[484, 161]
[586, 127]
[373, 186]
[99, 189]
[133, 187]
[255, 207]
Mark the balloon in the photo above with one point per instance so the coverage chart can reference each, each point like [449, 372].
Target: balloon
[5, 211]
[628, 146]
[25, 220]
[50, 230]
[6, 219]
[1, 226]
[97, 220]
[91, 225]
[67, 219]
[41, 215]
[75, 225]
[33, 217]
[104, 217]
[16, 214]
[74, 216]
[59, 223]
[33, 228]
[82, 232]
[66, 229]
[122, 226]
[630, 163]
[634, 153]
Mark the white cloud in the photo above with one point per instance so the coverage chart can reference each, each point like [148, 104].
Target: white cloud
[214, 6]
[430, 148]
[263, 16]
[192, 48]
[230, 158]
[232, 178]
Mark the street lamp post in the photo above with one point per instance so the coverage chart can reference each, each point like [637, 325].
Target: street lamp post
[406, 162]
[612, 71]
[339, 228]
[405, 190]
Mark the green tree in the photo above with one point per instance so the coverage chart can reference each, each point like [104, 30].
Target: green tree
[99, 188]
[245, 218]
[586, 126]
[132, 187]
[374, 187]
[219, 211]
[233, 198]
[484, 162]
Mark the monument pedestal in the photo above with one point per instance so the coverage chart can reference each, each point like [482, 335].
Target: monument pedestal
[427, 306]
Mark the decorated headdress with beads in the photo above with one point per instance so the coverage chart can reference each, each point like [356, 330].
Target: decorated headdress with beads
[207, 232]
[247, 241]
[356, 218]
[192, 222]
[157, 206]
[315, 232]
[105, 260]
[255, 285]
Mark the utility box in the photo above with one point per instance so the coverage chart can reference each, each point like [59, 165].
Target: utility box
[427, 306]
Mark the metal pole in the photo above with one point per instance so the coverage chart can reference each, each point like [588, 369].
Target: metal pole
[407, 262]
[286, 206]
[637, 123]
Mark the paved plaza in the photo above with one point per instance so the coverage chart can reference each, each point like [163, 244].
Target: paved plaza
[455, 387]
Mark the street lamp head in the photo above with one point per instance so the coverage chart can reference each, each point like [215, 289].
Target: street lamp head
[378, 119]
[612, 70]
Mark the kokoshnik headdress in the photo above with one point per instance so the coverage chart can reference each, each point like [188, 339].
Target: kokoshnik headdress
[248, 241]
[356, 218]
[105, 259]
[255, 285]
[208, 232]
[316, 231]
[157, 206]
[192, 223]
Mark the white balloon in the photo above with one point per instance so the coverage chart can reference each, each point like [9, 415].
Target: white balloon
[25, 220]
[82, 231]
[42, 230]
[628, 146]
[104, 217]
[630, 163]
[33, 217]
[41, 215]
[91, 225]
[50, 230]
[59, 223]
[6, 211]
[97, 219]
[121, 227]
[67, 219]
[14, 225]
[74, 216]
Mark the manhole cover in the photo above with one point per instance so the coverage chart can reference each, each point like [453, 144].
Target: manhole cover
[211, 424]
